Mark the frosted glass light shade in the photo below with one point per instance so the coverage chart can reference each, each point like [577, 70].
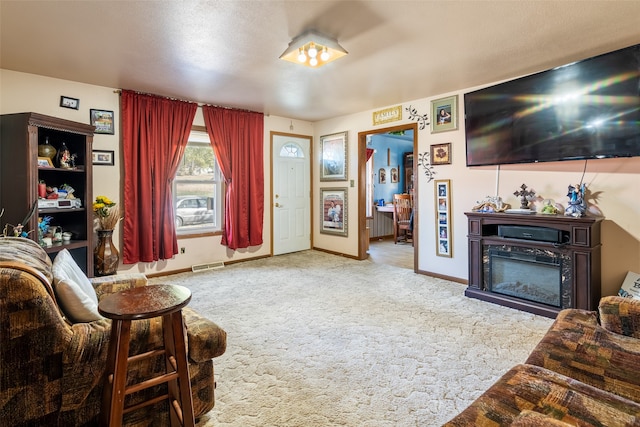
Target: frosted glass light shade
[309, 45]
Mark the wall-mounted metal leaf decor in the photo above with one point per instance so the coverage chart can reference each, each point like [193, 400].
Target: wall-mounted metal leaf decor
[423, 120]
[425, 162]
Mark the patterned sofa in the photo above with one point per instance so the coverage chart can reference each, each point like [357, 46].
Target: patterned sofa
[584, 372]
[51, 369]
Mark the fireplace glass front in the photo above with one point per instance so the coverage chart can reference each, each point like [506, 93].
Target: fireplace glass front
[528, 274]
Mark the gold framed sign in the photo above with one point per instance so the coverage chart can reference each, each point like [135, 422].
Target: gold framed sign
[387, 115]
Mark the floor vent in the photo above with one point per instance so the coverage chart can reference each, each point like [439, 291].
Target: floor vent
[208, 266]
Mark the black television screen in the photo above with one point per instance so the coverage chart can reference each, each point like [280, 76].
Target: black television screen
[585, 110]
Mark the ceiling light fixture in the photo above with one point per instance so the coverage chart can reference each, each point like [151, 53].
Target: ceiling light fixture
[313, 50]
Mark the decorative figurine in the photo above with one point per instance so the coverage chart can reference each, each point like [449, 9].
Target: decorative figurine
[577, 206]
[490, 205]
[549, 207]
[65, 159]
[524, 195]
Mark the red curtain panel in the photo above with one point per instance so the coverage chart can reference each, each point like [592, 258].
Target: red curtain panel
[237, 138]
[155, 132]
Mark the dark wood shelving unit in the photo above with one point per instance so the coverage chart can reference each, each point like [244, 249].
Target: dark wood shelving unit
[20, 135]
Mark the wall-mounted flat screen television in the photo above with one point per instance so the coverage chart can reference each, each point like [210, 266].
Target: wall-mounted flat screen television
[585, 110]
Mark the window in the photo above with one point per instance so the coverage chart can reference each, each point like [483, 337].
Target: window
[291, 149]
[197, 188]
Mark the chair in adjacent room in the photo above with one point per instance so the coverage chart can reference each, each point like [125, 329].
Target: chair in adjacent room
[402, 226]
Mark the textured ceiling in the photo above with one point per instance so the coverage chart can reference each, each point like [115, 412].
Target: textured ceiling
[226, 52]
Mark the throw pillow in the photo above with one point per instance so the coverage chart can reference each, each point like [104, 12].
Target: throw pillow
[73, 289]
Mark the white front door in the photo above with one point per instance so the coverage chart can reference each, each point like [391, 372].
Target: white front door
[291, 196]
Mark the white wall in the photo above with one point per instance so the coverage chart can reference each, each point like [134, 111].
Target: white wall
[22, 92]
[613, 182]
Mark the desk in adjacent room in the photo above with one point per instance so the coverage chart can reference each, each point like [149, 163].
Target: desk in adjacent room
[382, 222]
[386, 208]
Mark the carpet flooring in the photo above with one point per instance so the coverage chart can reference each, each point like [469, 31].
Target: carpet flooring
[321, 340]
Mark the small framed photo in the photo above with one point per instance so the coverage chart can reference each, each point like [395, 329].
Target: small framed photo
[382, 176]
[333, 205]
[103, 157]
[103, 120]
[444, 242]
[444, 113]
[334, 157]
[394, 175]
[44, 162]
[441, 154]
[67, 102]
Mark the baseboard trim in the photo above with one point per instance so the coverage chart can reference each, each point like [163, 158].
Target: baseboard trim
[337, 253]
[188, 269]
[443, 276]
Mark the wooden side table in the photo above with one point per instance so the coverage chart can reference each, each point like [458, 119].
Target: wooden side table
[144, 303]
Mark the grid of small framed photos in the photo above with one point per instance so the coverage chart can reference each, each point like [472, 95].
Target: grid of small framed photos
[443, 218]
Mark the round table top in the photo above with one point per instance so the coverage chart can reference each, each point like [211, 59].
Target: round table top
[144, 302]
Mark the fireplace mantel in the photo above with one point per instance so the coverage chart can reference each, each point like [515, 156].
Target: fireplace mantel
[579, 240]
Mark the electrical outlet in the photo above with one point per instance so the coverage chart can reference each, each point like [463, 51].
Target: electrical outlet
[182, 250]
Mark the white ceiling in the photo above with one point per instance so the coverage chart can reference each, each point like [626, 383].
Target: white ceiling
[226, 52]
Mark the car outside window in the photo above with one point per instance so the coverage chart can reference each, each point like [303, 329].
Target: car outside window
[197, 188]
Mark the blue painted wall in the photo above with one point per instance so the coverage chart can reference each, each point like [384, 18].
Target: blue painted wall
[398, 147]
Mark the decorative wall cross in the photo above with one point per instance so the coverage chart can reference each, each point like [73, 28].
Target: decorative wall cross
[525, 195]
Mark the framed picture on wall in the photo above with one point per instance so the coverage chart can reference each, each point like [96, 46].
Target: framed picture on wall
[441, 154]
[394, 175]
[382, 176]
[333, 205]
[103, 120]
[68, 102]
[443, 218]
[333, 157]
[444, 113]
[103, 157]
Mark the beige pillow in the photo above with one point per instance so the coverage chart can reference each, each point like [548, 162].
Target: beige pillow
[74, 291]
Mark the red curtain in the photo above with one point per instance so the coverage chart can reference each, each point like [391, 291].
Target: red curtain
[155, 132]
[237, 138]
[370, 152]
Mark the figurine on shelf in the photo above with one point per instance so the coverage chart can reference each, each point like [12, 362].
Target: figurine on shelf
[577, 206]
[65, 159]
[44, 238]
[490, 205]
[549, 207]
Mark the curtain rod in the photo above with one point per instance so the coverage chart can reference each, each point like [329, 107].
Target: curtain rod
[119, 92]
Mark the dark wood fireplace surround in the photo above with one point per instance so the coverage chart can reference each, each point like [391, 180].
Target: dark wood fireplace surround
[582, 245]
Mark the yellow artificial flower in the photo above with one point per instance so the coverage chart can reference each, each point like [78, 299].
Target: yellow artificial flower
[108, 215]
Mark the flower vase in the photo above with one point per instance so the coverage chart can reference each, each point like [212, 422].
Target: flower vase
[105, 255]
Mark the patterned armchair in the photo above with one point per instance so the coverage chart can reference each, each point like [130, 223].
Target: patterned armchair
[51, 369]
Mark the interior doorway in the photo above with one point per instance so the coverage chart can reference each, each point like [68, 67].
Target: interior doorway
[391, 171]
